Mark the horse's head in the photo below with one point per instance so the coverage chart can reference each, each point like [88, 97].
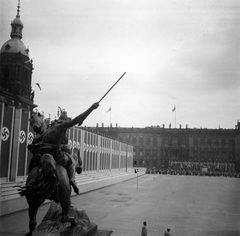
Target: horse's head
[37, 122]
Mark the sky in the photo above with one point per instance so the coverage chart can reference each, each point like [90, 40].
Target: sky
[182, 54]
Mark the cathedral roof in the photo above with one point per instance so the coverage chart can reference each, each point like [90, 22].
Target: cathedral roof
[15, 45]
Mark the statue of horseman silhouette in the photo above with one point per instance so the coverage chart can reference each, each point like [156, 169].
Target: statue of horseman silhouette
[52, 168]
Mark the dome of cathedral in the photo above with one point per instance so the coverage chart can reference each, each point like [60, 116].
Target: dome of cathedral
[15, 45]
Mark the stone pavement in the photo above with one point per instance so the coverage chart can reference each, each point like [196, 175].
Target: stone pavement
[189, 205]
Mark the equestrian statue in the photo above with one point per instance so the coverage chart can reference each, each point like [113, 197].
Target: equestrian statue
[52, 168]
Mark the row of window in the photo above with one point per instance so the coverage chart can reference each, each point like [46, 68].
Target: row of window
[158, 152]
[177, 141]
[213, 142]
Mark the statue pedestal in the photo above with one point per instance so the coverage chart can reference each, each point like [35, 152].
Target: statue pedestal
[52, 226]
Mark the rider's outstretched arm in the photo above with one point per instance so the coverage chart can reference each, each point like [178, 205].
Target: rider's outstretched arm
[80, 118]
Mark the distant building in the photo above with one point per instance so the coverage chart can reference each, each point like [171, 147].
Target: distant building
[158, 147]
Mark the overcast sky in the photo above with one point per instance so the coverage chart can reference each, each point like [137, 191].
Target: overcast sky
[182, 53]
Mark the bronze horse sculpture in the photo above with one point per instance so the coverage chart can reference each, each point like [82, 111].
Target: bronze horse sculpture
[49, 179]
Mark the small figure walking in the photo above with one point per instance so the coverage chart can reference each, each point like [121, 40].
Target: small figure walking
[166, 233]
[144, 229]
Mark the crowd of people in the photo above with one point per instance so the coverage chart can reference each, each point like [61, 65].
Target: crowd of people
[167, 171]
[198, 169]
[196, 166]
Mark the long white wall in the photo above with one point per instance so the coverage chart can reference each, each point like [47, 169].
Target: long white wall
[100, 153]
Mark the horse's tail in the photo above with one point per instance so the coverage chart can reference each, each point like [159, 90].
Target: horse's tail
[44, 182]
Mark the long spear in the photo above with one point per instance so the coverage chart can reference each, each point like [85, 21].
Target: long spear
[111, 88]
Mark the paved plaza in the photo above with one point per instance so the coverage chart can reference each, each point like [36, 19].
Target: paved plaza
[189, 205]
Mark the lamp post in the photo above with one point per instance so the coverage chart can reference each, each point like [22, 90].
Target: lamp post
[126, 156]
[137, 179]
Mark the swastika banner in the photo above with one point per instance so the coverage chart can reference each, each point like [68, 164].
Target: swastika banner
[23, 136]
[6, 136]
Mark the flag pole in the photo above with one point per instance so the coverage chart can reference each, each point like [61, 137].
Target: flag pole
[175, 115]
[110, 116]
[110, 111]
[175, 110]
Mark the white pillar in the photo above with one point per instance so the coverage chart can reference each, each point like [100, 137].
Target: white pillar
[15, 147]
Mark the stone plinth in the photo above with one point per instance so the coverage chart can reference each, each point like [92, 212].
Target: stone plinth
[51, 224]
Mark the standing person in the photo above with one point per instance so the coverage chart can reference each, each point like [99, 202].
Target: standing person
[144, 229]
[166, 233]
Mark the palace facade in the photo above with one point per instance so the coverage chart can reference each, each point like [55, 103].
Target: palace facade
[159, 148]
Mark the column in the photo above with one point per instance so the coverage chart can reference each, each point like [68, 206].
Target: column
[15, 147]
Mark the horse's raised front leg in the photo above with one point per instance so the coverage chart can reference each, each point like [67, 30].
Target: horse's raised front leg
[32, 212]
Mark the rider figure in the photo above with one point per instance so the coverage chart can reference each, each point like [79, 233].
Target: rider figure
[55, 142]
